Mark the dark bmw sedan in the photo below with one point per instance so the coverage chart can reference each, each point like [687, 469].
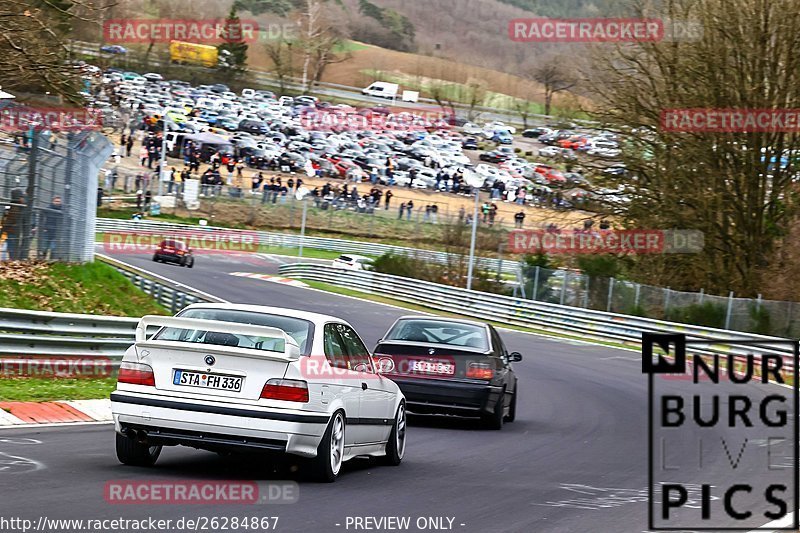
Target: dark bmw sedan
[452, 366]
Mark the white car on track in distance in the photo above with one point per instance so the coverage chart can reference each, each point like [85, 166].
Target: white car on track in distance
[352, 262]
[227, 377]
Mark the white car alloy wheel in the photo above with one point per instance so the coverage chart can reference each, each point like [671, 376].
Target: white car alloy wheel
[337, 443]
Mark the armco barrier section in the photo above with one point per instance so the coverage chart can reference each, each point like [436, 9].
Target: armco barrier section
[40, 333]
[545, 317]
[288, 240]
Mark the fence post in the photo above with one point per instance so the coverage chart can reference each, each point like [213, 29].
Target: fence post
[636, 296]
[758, 303]
[610, 294]
[666, 303]
[564, 287]
[701, 295]
[730, 309]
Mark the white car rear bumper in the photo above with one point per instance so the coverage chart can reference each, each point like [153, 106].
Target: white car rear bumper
[220, 424]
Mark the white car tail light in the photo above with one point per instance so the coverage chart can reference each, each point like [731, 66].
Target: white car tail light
[290, 390]
[136, 374]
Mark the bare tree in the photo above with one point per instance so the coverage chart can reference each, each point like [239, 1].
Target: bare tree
[280, 53]
[555, 77]
[33, 44]
[738, 188]
[317, 42]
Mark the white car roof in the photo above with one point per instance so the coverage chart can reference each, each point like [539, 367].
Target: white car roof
[317, 318]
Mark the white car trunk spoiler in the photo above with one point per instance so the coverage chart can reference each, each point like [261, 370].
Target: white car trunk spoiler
[291, 349]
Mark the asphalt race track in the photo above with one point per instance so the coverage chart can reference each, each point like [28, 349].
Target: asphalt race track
[575, 460]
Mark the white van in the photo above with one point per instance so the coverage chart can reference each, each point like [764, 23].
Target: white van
[382, 89]
[248, 94]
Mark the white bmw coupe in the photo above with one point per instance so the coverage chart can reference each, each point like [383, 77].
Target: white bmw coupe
[225, 377]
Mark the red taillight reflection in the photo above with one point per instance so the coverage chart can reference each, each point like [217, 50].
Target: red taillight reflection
[480, 371]
[136, 374]
[290, 390]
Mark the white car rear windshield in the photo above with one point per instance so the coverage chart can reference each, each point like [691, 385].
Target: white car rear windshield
[434, 331]
[301, 331]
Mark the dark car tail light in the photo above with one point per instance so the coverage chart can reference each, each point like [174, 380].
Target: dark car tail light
[290, 390]
[480, 371]
[136, 374]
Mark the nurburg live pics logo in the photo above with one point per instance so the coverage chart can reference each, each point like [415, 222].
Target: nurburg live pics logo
[728, 426]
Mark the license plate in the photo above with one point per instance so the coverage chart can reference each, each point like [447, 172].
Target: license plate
[433, 367]
[207, 381]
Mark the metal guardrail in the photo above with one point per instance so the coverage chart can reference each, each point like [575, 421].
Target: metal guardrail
[551, 318]
[288, 240]
[43, 334]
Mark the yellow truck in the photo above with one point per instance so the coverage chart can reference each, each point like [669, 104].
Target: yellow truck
[193, 54]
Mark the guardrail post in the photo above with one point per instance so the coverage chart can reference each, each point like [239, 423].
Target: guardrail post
[535, 284]
[758, 303]
[141, 284]
[157, 294]
[564, 287]
[701, 296]
[730, 309]
[586, 293]
[667, 294]
[610, 294]
[636, 295]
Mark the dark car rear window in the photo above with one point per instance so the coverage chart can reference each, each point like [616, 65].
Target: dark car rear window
[439, 332]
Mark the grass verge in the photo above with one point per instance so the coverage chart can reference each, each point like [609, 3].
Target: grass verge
[95, 288]
[44, 390]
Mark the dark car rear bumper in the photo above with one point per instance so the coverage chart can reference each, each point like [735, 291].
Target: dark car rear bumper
[172, 258]
[448, 397]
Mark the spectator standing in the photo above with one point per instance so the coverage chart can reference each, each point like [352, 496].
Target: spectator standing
[388, 198]
[402, 210]
[49, 222]
[519, 218]
[409, 209]
[12, 224]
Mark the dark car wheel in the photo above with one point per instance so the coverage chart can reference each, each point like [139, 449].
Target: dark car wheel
[191, 262]
[495, 419]
[130, 452]
[396, 447]
[155, 258]
[512, 409]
